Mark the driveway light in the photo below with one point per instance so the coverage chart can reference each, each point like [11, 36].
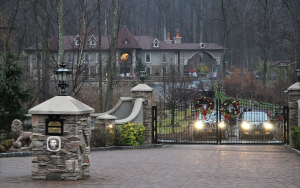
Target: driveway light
[199, 124]
[221, 124]
[245, 125]
[268, 125]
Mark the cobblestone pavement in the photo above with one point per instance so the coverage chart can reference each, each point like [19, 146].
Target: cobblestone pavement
[182, 166]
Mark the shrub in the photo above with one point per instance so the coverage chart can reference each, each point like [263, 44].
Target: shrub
[117, 140]
[295, 136]
[5, 145]
[101, 137]
[132, 134]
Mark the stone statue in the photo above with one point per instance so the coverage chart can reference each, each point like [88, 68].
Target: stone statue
[18, 135]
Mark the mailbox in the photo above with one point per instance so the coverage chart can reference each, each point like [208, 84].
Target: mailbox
[54, 126]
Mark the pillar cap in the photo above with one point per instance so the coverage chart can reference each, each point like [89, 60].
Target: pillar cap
[294, 87]
[61, 105]
[106, 116]
[142, 87]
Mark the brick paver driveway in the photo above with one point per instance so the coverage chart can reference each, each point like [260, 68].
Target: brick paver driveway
[174, 166]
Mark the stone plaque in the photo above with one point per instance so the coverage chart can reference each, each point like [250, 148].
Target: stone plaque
[53, 143]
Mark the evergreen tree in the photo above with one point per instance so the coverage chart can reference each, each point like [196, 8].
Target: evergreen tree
[11, 92]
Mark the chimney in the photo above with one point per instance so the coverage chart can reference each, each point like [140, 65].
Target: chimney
[177, 39]
[168, 38]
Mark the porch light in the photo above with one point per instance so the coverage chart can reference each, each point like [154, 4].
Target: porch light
[62, 75]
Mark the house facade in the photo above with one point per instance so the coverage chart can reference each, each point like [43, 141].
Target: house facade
[155, 56]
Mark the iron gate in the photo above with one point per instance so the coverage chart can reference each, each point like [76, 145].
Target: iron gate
[219, 116]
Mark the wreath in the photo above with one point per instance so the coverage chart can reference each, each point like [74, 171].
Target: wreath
[225, 111]
[199, 106]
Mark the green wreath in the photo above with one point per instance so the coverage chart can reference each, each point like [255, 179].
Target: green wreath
[224, 109]
[200, 107]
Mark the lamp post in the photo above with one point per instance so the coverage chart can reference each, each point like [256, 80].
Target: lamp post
[62, 75]
[142, 76]
[298, 74]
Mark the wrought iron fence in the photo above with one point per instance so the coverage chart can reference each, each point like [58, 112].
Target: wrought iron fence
[220, 115]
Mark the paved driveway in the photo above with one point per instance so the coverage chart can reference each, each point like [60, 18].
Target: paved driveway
[182, 166]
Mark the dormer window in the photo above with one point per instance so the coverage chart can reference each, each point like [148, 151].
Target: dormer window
[156, 43]
[92, 41]
[77, 41]
[126, 42]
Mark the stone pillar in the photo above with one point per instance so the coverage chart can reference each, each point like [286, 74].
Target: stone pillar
[61, 139]
[293, 97]
[145, 92]
[105, 121]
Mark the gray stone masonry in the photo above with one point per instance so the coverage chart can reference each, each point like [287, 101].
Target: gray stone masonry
[294, 96]
[145, 92]
[105, 121]
[72, 161]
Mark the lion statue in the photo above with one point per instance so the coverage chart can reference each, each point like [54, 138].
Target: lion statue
[18, 135]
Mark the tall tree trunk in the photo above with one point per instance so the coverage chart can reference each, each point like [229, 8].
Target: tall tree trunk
[100, 57]
[60, 32]
[112, 63]
[45, 52]
[225, 40]
[39, 98]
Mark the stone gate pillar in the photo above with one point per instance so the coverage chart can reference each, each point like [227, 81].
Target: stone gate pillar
[145, 92]
[294, 96]
[61, 139]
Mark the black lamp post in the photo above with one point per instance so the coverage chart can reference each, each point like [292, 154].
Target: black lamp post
[298, 73]
[62, 75]
[142, 76]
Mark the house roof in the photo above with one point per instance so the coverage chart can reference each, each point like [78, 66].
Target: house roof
[137, 42]
[125, 34]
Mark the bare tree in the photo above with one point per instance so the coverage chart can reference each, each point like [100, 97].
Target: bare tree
[112, 56]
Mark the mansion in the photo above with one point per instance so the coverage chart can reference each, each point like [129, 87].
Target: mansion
[156, 56]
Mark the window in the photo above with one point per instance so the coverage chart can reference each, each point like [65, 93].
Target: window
[97, 69]
[76, 42]
[39, 57]
[86, 71]
[164, 57]
[148, 57]
[148, 70]
[86, 57]
[92, 42]
[69, 58]
[126, 42]
[156, 43]
[55, 56]
[97, 57]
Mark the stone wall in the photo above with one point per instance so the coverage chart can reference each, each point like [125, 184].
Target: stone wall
[72, 161]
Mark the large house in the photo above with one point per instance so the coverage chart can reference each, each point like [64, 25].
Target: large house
[155, 55]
